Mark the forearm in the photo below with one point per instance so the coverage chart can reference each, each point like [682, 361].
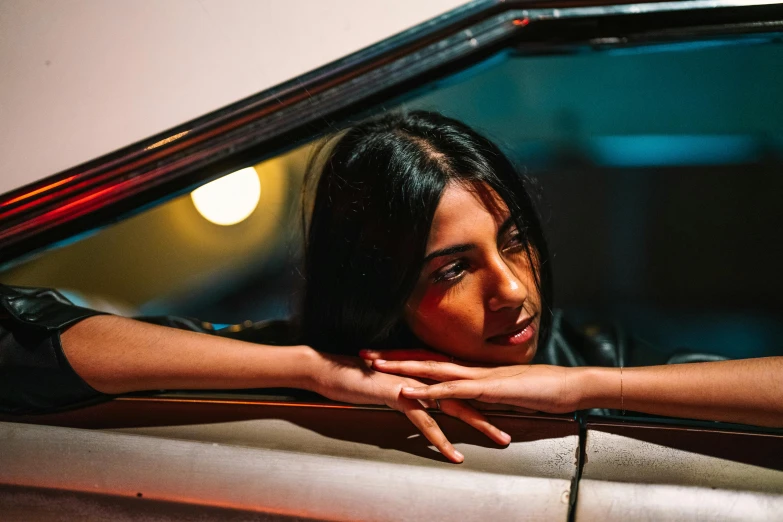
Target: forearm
[748, 391]
[118, 355]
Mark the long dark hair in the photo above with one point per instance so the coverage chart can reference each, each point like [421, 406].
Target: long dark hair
[375, 195]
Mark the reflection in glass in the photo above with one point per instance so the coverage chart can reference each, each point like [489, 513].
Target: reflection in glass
[230, 199]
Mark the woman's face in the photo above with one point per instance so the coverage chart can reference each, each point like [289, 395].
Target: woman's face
[476, 297]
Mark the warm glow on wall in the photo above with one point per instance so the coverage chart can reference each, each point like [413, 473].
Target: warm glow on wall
[230, 199]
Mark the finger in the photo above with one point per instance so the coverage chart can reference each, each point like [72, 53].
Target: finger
[430, 429]
[403, 355]
[448, 390]
[430, 404]
[471, 416]
[437, 371]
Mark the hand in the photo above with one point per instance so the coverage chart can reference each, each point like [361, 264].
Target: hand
[532, 387]
[421, 354]
[349, 379]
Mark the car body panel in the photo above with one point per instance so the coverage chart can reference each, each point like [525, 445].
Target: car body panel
[305, 460]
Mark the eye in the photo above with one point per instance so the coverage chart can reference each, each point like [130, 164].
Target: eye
[450, 272]
[515, 242]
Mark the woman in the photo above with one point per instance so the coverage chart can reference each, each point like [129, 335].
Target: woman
[422, 236]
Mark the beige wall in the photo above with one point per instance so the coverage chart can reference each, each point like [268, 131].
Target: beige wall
[80, 78]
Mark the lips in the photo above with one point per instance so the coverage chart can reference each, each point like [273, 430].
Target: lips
[520, 333]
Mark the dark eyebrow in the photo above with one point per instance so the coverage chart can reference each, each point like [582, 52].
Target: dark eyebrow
[458, 249]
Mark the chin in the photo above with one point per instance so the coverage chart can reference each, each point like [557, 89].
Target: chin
[506, 355]
[529, 354]
[489, 353]
[482, 351]
[523, 355]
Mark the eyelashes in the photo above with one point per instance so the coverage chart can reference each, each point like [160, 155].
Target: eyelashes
[515, 243]
[455, 270]
[451, 272]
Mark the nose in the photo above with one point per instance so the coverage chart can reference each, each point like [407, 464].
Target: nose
[504, 288]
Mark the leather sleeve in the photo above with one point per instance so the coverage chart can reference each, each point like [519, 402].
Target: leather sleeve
[35, 376]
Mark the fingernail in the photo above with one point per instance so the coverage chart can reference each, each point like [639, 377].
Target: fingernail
[459, 455]
[380, 361]
[408, 390]
[505, 436]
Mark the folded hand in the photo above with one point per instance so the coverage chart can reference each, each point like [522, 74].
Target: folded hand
[349, 379]
[531, 387]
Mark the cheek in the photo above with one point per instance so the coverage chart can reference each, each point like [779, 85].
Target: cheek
[451, 322]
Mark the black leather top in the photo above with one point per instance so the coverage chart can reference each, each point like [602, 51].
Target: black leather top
[35, 376]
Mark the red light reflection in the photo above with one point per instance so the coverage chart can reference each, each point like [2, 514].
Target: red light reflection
[37, 191]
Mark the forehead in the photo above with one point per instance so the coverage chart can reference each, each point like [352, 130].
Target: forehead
[465, 214]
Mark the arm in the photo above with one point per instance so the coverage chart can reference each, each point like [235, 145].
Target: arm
[118, 355]
[746, 391]
[54, 355]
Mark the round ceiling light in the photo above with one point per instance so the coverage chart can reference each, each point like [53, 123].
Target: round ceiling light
[230, 199]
